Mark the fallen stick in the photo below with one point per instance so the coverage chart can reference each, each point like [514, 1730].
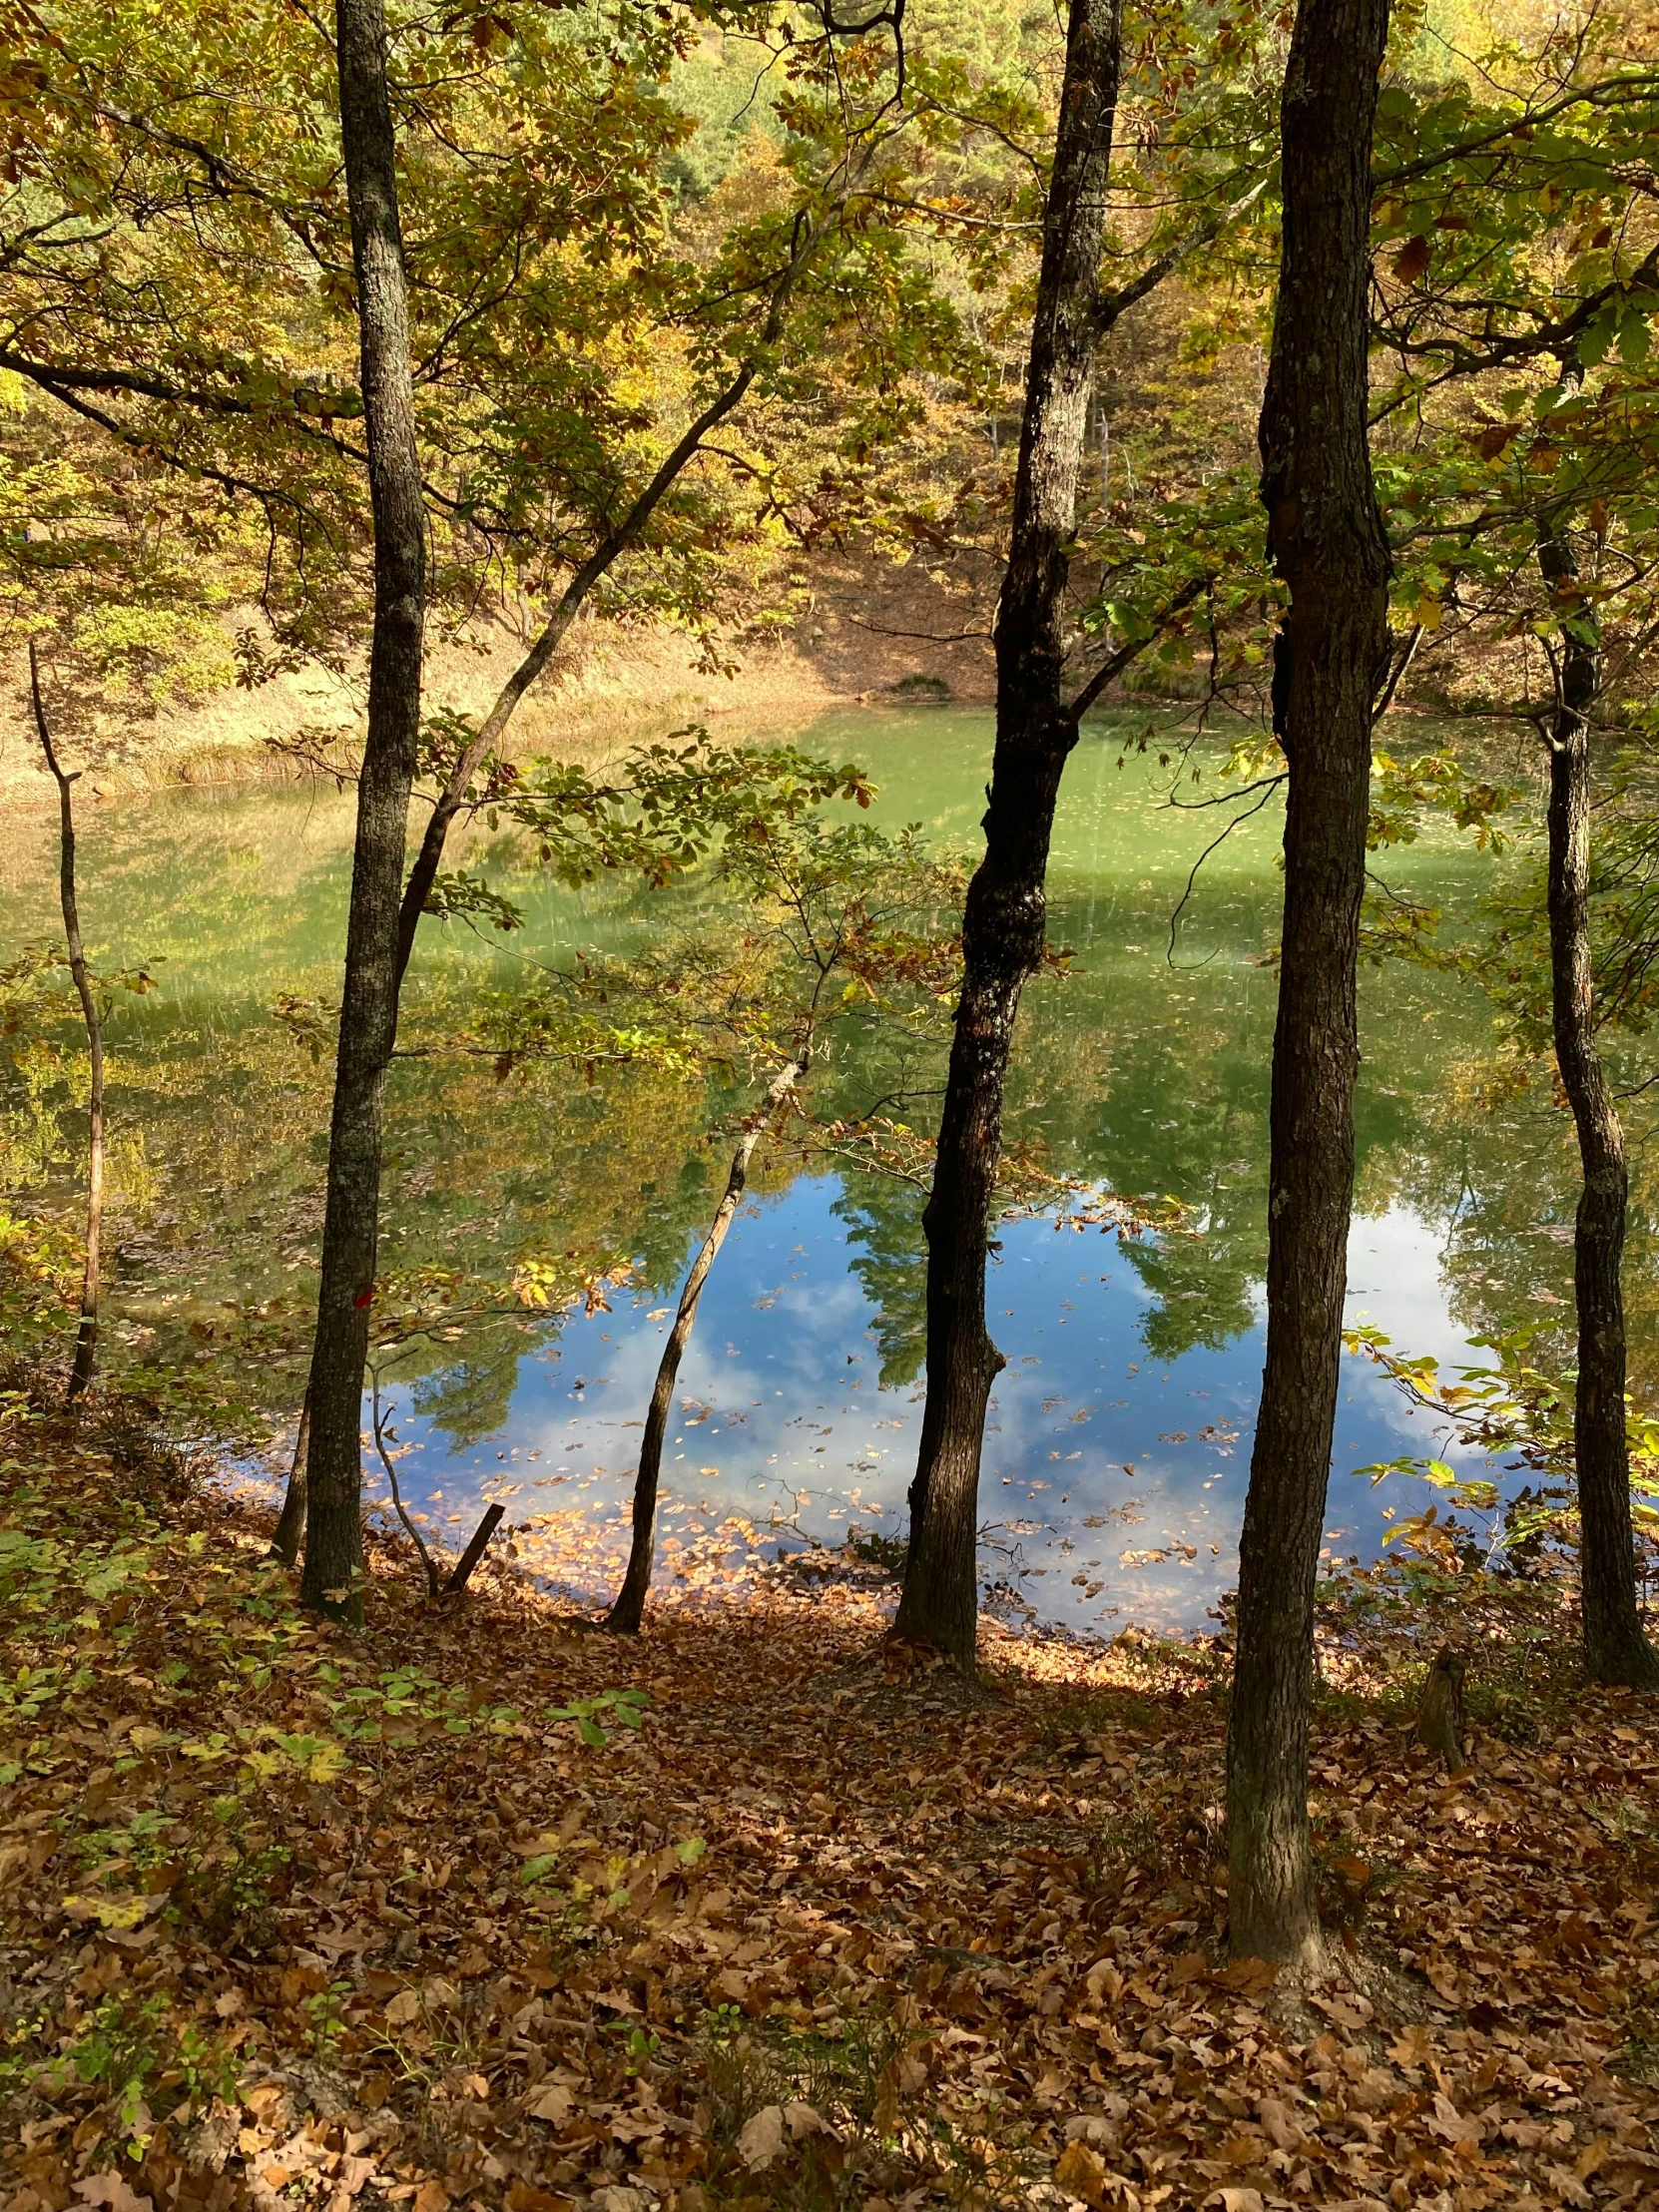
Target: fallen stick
[474, 1551]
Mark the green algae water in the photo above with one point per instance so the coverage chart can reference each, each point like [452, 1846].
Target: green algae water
[1120, 1430]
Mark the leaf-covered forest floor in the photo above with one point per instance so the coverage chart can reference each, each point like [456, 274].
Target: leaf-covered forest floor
[294, 1918]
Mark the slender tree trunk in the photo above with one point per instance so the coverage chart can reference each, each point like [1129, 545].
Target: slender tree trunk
[1325, 536]
[86, 1338]
[1005, 912]
[1615, 1650]
[629, 1609]
[368, 1008]
[290, 1532]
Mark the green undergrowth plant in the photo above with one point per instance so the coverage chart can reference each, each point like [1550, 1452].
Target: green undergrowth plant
[747, 2064]
[142, 2064]
[217, 1866]
[848, 2111]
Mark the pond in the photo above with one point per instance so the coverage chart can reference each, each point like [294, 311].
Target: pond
[1120, 1431]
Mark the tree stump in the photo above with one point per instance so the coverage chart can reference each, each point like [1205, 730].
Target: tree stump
[1441, 1708]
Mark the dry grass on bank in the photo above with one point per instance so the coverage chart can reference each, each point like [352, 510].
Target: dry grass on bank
[870, 633]
[296, 1919]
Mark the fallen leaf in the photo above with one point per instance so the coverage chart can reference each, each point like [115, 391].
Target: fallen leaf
[1081, 2172]
[112, 2191]
[761, 2138]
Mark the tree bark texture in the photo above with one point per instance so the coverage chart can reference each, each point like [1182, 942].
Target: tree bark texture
[290, 1532]
[369, 1009]
[1615, 1649]
[86, 1335]
[628, 1611]
[1327, 540]
[1004, 917]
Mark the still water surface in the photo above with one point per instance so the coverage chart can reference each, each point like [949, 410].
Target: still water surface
[1120, 1431]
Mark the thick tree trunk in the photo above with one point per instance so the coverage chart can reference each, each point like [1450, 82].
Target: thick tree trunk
[368, 1008]
[1325, 536]
[1615, 1650]
[290, 1532]
[1005, 913]
[86, 1336]
[628, 1611]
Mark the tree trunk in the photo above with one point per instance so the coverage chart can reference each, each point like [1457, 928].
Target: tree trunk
[1325, 537]
[368, 1008]
[369, 1015]
[628, 1611]
[289, 1531]
[86, 1338]
[1615, 1650]
[1005, 912]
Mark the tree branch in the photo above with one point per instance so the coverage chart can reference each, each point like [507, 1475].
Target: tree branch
[1117, 662]
[616, 541]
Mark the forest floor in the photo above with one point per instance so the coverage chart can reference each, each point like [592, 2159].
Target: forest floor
[761, 1911]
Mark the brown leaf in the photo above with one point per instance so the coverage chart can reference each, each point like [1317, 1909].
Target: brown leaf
[1104, 1980]
[1251, 1977]
[886, 2102]
[1446, 2120]
[1412, 258]
[522, 2196]
[1081, 2172]
[1412, 2046]
[763, 2138]
[113, 2192]
[1241, 2149]
[1279, 2120]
